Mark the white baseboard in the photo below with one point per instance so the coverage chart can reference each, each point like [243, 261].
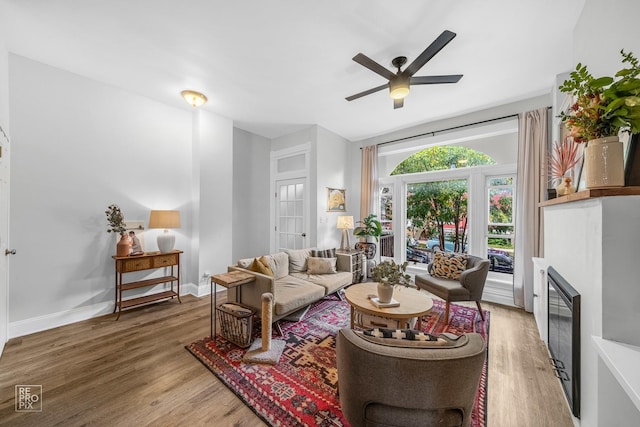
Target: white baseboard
[200, 290]
[498, 292]
[61, 318]
[66, 317]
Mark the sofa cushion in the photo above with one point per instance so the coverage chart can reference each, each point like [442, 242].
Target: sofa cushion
[261, 265]
[321, 265]
[298, 259]
[279, 263]
[449, 265]
[293, 293]
[330, 282]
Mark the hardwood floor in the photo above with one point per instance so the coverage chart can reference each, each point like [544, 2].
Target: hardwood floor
[136, 372]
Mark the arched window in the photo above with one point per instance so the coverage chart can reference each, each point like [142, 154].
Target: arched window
[440, 158]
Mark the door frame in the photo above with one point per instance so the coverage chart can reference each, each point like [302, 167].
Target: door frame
[304, 173]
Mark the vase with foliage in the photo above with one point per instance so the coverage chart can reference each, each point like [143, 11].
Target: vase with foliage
[369, 227]
[564, 158]
[388, 274]
[115, 218]
[601, 108]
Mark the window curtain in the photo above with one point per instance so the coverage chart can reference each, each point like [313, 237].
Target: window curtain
[532, 149]
[369, 181]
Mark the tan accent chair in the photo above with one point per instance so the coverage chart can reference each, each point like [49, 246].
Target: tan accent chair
[468, 287]
[381, 385]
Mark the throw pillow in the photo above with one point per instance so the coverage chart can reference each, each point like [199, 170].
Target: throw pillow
[448, 265]
[410, 338]
[261, 267]
[323, 253]
[317, 265]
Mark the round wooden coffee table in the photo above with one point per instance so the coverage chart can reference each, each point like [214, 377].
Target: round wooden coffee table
[413, 303]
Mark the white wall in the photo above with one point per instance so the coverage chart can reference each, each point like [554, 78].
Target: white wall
[78, 146]
[216, 193]
[4, 196]
[251, 195]
[333, 170]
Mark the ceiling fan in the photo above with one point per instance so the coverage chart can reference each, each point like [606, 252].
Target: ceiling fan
[400, 81]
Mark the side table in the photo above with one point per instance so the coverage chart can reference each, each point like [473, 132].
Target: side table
[230, 280]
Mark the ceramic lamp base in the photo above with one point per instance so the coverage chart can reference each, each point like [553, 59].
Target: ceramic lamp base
[166, 242]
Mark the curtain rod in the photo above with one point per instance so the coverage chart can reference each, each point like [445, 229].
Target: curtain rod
[433, 133]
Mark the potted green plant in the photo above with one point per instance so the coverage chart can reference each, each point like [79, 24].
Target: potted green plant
[601, 108]
[369, 227]
[115, 218]
[388, 274]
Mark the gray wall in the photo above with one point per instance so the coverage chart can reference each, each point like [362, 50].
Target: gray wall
[251, 195]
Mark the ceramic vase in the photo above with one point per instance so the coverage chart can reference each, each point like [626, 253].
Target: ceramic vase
[124, 246]
[604, 163]
[385, 292]
[565, 186]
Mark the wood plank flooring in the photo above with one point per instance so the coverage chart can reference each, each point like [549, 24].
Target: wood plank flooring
[136, 372]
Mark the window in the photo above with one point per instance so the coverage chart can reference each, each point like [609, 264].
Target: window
[500, 192]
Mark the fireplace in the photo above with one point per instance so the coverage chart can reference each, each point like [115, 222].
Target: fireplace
[564, 336]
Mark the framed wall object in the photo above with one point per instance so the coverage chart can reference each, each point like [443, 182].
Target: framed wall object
[336, 200]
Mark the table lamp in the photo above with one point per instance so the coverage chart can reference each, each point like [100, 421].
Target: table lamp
[345, 223]
[165, 220]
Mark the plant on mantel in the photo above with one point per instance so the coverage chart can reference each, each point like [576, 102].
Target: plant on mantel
[605, 105]
[564, 158]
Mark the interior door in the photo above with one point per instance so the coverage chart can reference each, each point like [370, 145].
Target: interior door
[291, 215]
[4, 236]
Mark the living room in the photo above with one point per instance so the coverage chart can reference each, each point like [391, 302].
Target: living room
[80, 144]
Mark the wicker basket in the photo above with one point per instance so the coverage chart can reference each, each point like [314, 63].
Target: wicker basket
[236, 323]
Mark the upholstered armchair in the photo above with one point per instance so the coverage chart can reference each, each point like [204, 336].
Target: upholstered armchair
[381, 385]
[468, 287]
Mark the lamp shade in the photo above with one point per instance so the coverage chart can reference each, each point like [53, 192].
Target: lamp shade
[345, 222]
[164, 219]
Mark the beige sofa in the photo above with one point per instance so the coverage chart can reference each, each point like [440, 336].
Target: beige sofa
[292, 286]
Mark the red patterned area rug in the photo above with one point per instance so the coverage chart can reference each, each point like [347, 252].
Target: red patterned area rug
[302, 388]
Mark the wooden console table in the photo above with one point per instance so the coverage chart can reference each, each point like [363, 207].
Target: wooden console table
[147, 261]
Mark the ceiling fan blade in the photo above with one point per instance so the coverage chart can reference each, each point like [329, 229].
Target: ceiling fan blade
[366, 92]
[398, 103]
[435, 47]
[369, 63]
[434, 80]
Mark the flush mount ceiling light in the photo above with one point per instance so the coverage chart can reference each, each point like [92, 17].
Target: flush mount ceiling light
[194, 98]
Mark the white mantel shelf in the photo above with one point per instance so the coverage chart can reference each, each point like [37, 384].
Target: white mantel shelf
[622, 360]
[591, 194]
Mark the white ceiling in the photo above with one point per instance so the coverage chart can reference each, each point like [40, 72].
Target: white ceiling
[274, 66]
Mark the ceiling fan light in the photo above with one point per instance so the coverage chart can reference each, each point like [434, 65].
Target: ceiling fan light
[399, 88]
[194, 98]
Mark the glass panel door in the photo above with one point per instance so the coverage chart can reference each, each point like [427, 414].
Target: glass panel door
[290, 215]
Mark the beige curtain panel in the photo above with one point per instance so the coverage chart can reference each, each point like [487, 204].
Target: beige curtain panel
[532, 149]
[369, 179]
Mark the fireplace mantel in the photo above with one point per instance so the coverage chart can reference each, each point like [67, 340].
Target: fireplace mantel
[593, 240]
[591, 194]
